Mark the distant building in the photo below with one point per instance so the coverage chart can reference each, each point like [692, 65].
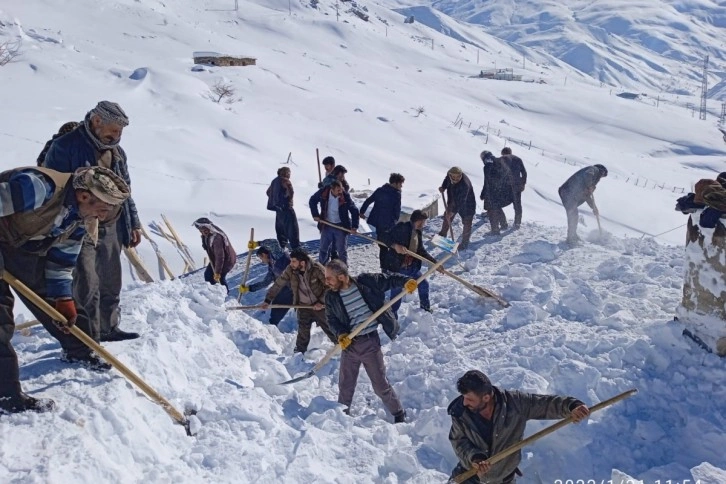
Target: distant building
[222, 60]
[506, 74]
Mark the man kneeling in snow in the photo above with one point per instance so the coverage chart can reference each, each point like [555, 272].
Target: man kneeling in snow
[350, 302]
[486, 420]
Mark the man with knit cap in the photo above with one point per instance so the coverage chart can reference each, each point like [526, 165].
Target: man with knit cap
[460, 200]
[97, 280]
[44, 216]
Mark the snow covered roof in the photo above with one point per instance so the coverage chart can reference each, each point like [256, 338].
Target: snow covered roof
[202, 53]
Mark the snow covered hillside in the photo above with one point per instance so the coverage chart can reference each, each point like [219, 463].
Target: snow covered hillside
[656, 43]
[591, 322]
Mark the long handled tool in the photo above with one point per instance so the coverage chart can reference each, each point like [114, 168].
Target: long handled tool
[100, 350]
[24, 328]
[270, 306]
[599, 227]
[477, 289]
[138, 264]
[247, 266]
[334, 350]
[159, 256]
[182, 246]
[320, 175]
[447, 215]
[546, 431]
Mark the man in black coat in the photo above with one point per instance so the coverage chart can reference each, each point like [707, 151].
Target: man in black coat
[498, 190]
[579, 189]
[407, 235]
[461, 200]
[386, 211]
[280, 196]
[349, 302]
[519, 174]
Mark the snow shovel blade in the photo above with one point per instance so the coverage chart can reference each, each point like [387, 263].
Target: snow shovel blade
[299, 378]
[445, 243]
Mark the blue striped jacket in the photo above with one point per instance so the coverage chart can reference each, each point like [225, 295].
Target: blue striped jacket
[27, 190]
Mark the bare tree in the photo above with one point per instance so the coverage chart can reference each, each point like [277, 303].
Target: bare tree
[419, 111]
[222, 91]
[9, 51]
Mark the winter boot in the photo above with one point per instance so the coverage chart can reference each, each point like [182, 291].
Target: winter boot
[118, 335]
[22, 402]
[400, 417]
[88, 360]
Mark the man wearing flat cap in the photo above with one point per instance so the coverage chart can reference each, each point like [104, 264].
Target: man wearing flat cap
[461, 200]
[44, 216]
[97, 280]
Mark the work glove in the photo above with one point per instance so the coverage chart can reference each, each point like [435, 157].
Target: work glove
[244, 289]
[217, 277]
[251, 245]
[67, 307]
[410, 286]
[344, 341]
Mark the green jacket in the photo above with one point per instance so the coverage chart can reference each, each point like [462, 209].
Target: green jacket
[511, 412]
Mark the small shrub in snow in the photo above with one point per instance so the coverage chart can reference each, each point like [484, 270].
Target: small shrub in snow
[9, 51]
[223, 91]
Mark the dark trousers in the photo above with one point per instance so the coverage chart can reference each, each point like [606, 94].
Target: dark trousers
[209, 276]
[283, 297]
[366, 350]
[459, 469]
[30, 270]
[466, 231]
[497, 219]
[423, 289]
[570, 204]
[305, 320]
[331, 238]
[382, 251]
[97, 281]
[517, 206]
[287, 229]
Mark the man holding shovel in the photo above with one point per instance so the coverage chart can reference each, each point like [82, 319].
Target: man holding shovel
[307, 283]
[407, 235]
[338, 208]
[579, 189]
[486, 420]
[350, 302]
[460, 200]
[44, 216]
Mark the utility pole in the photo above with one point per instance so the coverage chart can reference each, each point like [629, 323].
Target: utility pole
[704, 90]
[522, 60]
[477, 56]
[337, 11]
[723, 114]
[289, 6]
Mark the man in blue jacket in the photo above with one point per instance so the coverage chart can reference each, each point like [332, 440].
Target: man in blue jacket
[386, 211]
[44, 216]
[338, 208]
[97, 280]
[276, 265]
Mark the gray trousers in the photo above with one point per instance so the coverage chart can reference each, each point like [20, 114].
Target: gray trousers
[97, 281]
[571, 204]
[30, 270]
[366, 350]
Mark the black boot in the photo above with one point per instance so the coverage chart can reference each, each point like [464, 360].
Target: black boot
[88, 360]
[22, 402]
[400, 417]
[118, 335]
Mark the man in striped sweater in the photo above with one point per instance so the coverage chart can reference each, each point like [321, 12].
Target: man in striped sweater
[44, 216]
[350, 302]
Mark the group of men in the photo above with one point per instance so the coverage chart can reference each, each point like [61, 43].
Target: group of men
[64, 223]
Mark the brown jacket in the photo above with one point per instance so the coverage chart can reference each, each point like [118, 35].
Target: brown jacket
[511, 412]
[16, 229]
[314, 276]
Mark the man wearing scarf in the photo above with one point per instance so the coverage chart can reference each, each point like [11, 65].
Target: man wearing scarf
[220, 252]
[97, 280]
[44, 216]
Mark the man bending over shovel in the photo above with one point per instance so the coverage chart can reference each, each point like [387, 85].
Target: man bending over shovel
[44, 216]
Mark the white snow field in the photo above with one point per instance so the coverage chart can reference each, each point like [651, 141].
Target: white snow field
[591, 321]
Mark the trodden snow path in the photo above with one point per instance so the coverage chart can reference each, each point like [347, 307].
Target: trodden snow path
[589, 321]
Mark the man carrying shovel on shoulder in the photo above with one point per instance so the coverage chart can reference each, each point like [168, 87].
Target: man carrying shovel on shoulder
[44, 216]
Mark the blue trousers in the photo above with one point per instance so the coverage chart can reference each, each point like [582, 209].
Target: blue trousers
[335, 239]
[423, 289]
